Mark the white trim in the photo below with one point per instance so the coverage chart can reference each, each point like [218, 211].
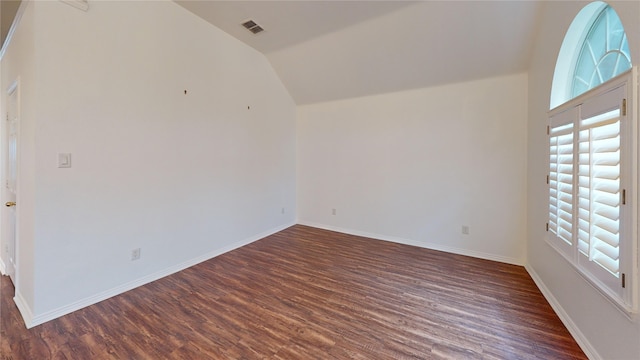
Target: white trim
[11, 267]
[21, 304]
[78, 4]
[14, 26]
[634, 113]
[3, 267]
[603, 88]
[31, 321]
[432, 246]
[624, 309]
[580, 338]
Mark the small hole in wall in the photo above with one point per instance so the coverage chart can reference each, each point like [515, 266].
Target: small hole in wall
[185, 92]
[248, 107]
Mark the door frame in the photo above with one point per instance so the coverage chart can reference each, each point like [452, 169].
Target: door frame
[10, 270]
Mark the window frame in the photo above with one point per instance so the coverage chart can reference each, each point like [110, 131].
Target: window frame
[626, 299]
[605, 14]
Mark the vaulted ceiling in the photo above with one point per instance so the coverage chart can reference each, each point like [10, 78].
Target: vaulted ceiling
[328, 50]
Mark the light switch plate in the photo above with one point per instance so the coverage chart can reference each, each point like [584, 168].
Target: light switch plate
[64, 160]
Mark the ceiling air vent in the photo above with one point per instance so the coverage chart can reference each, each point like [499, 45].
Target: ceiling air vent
[252, 26]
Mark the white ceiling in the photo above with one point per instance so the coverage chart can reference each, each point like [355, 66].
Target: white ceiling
[329, 50]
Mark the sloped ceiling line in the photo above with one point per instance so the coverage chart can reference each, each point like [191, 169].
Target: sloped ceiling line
[329, 50]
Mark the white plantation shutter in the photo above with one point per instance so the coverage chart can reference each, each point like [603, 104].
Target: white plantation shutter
[599, 191]
[561, 182]
[561, 159]
[588, 171]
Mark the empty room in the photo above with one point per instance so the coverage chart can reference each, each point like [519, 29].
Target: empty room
[319, 179]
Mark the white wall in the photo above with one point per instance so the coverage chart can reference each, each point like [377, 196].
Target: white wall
[602, 330]
[183, 177]
[416, 166]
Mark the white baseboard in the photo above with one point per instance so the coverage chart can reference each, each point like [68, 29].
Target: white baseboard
[3, 268]
[432, 246]
[31, 320]
[582, 340]
[24, 309]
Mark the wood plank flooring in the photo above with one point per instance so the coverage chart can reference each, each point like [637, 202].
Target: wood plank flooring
[306, 293]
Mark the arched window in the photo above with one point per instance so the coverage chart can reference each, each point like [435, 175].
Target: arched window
[590, 154]
[595, 49]
[604, 53]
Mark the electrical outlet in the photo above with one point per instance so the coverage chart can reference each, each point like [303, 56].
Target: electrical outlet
[135, 254]
[465, 229]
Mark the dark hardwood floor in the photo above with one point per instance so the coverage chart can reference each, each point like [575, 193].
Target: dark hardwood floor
[306, 293]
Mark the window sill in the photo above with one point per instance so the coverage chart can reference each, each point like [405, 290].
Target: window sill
[627, 310]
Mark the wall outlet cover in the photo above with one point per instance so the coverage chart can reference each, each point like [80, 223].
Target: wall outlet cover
[64, 160]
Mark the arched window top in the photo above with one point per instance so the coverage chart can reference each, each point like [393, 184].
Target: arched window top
[604, 53]
[595, 49]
